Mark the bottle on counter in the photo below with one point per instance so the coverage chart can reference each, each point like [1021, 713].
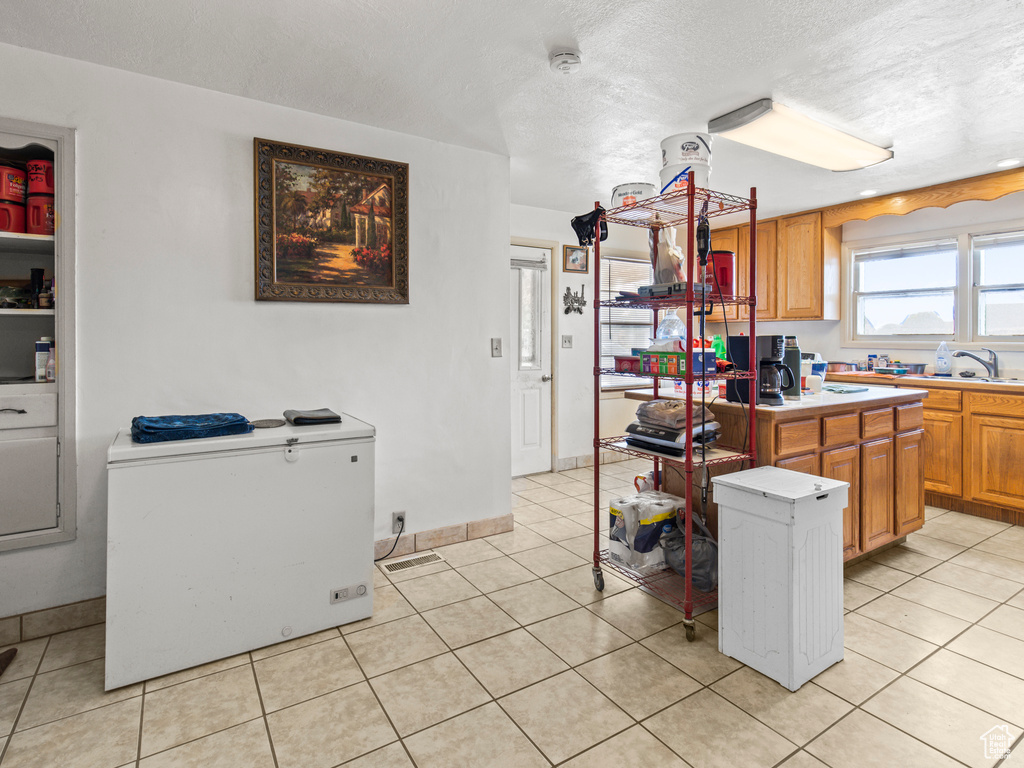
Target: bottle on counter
[51, 364]
[943, 360]
[791, 359]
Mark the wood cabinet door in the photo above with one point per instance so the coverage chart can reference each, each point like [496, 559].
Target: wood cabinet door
[996, 463]
[844, 464]
[876, 496]
[766, 269]
[943, 452]
[908, 467]
[800, 267]
[727, 240]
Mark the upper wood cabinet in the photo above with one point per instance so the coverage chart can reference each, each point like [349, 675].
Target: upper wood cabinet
[767, 269]
[797, 268]
[808, 268]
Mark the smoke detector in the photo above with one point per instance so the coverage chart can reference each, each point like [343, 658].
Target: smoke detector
[565, 62]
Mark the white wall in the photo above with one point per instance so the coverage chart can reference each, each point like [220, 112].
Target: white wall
[827, 337]
[575, 367]
[167, 323]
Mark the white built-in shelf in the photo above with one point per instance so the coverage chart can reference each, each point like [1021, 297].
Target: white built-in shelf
[27, 312]
[15, 242]
[27, 387]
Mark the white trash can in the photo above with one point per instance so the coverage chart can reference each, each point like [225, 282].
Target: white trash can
[780, 563]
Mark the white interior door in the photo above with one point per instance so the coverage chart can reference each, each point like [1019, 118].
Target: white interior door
[530, 343]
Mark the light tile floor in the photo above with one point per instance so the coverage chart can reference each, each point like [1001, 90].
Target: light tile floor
[506, 655]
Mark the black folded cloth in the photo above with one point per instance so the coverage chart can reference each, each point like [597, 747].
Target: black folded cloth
[306, 418]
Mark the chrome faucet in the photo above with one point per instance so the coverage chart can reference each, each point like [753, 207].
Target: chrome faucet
[991, 365]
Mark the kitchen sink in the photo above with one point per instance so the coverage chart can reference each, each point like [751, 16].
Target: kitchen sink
[988, 379]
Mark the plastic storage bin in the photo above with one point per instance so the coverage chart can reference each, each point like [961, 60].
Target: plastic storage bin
[780, 560]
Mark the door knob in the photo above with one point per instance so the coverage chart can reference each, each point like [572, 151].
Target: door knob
[546, 377]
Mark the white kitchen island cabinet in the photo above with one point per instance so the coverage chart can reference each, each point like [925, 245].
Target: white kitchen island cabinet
[221, 545]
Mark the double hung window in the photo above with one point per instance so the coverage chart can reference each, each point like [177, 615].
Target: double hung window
[964, 287]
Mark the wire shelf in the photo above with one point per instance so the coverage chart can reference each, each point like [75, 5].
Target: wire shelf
[672, 302]
[698, 376]
[672, 208]
[712, 455]
[666, 583]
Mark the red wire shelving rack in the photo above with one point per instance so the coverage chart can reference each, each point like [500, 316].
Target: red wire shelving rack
[670, 210]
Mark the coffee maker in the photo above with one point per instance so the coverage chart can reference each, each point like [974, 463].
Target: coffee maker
[773, 376]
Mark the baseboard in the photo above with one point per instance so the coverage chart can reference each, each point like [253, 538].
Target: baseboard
[587, 460]
[439, 537]
[976, 508]
[50, 621]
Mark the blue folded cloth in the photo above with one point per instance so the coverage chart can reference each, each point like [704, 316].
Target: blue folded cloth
[156, 429]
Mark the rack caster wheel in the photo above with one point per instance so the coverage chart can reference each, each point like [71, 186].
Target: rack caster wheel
[691, 631]
[598, 580]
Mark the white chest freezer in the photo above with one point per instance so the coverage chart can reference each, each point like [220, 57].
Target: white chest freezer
[220, 545]
[780, 571]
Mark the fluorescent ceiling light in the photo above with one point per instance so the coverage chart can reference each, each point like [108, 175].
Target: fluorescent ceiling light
[1009, 162]
[778, 129]
[869, 192]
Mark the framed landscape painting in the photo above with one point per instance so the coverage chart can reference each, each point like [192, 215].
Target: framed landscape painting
[330, 226]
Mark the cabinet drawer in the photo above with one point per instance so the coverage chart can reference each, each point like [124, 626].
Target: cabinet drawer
[39, 411]
[995, 404]
[876, 423]
[807, 464]
[796, 437]
[943, 400]
[836, 430]
[909, 417]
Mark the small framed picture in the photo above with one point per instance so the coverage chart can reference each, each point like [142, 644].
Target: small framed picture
[575, 258]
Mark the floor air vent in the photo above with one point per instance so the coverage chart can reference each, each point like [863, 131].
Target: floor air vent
[394, 566]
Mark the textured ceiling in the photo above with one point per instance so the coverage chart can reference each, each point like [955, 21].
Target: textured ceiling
[941, 81]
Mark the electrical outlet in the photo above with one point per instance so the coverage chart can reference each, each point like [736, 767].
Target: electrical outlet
[397, 522]
[567, 342]
[496, 347]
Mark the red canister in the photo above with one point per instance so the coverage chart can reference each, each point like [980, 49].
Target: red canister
[12, 184]
[12, 217]
[724, 265]
[39, 215]
[40, 177]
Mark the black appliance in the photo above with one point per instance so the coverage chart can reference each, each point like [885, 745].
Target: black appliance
[773, 375]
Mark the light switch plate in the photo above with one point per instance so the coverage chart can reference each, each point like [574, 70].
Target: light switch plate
[495, 347]
[567, 342]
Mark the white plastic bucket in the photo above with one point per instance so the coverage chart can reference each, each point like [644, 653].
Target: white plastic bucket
[674, 177]
[631, 194]
[686, 148]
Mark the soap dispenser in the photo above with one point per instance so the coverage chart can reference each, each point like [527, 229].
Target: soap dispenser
[943, 361]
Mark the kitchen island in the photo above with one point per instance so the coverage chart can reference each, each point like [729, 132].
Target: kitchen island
[873, 440]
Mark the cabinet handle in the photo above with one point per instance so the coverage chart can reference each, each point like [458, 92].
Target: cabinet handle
[13, 410]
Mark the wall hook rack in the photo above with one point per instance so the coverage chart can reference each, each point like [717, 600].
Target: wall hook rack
[574, 302]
